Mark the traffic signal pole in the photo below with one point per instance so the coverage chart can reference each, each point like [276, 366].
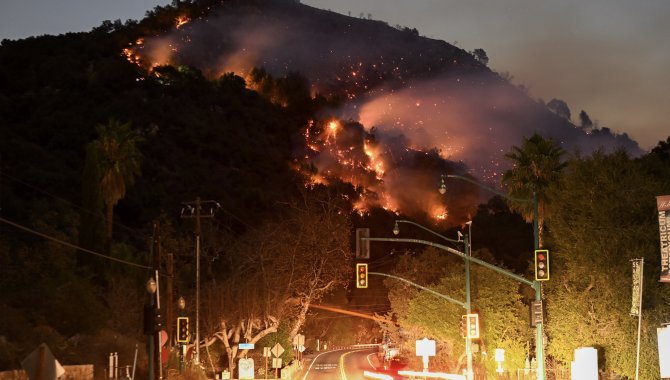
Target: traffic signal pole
[539, 333]
[468, 308]
[539, 349]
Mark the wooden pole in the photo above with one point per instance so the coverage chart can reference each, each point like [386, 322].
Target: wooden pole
[170, 304]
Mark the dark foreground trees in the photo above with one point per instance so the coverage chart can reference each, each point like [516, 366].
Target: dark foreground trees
[275, 272]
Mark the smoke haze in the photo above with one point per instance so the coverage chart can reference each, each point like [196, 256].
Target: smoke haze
[419, 94]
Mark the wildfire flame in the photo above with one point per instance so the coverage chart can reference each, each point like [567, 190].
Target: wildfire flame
[345, 152]
[382, 172]
[180, 21]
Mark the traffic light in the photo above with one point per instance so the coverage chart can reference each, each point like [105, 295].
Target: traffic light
[159, 320]
[473, 326]
[464, 326]
[182, 329]
[153, 320]
[536, 313]
[361, 275]
[541, 265]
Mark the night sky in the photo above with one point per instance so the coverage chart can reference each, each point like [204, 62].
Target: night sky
[607, 57]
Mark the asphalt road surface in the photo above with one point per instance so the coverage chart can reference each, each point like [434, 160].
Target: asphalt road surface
[345, 364]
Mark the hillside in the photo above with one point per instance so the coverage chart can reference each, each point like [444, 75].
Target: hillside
[410, 92]
[315, 98]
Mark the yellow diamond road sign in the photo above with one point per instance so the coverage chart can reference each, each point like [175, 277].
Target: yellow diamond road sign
[277, 350]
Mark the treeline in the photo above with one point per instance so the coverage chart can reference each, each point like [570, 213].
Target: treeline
[597, 213]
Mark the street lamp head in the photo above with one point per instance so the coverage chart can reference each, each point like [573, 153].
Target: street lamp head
[443, 186]
[181, 303]
[151, 286]
[396, 229]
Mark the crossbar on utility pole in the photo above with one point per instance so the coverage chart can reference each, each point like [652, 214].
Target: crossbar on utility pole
[194, 209]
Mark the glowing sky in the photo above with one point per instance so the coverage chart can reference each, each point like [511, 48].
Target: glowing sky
[607, 57]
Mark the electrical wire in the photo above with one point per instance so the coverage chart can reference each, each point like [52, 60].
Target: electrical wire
[26, 229]
[63, 200]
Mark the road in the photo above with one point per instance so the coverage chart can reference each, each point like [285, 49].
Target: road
[345, 364]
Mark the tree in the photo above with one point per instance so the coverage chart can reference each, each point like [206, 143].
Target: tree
[117, 158]
[662, 150]
[537, 168]
[276, 272]
[584, 120]
[481, 56]
[417, 314]
[560, 108]
[602, 216]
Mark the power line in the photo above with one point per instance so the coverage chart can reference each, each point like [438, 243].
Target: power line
[74, 205]
[26, 229]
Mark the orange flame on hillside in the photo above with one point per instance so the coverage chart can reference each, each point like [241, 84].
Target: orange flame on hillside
[181, 20]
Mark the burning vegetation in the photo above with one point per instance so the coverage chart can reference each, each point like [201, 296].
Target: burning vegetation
[410, 108]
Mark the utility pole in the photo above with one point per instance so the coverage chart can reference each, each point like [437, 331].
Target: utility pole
[158, 367]
[193, 210]
[170, 304]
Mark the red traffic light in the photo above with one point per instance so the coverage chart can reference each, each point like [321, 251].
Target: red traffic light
[361, 275]
[473, 326]
[541, 265]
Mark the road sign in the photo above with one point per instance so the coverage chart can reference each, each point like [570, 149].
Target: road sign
[277, 350]
[362, 245]
[301, 348]
[42, 364]
[425, 347]
[266, 352]
[246, 368]
[245, 346]
[276, 362]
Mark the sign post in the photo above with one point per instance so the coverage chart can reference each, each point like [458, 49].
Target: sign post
[277, 350]
[636, 308]
[425, 348]
[266, 355]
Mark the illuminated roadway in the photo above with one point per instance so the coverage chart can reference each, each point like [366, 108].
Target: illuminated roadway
[345, 364]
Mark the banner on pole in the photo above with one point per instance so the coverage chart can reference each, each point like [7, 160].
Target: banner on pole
[663, 206]
[637, 289]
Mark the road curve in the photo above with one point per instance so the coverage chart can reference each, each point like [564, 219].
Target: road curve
[344, 364]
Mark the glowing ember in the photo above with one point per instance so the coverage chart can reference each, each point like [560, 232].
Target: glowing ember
[332, 128]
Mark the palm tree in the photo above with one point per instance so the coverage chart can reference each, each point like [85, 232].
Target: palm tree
[118, 161]
[537, 167]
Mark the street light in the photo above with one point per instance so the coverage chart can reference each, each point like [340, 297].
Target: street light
[468, 303]
[181, 304]
[150, 320]
[443, 247]
[537, 286]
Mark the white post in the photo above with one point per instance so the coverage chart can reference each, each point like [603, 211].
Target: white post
[110, 374]
[639, 321]
[116, 365]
